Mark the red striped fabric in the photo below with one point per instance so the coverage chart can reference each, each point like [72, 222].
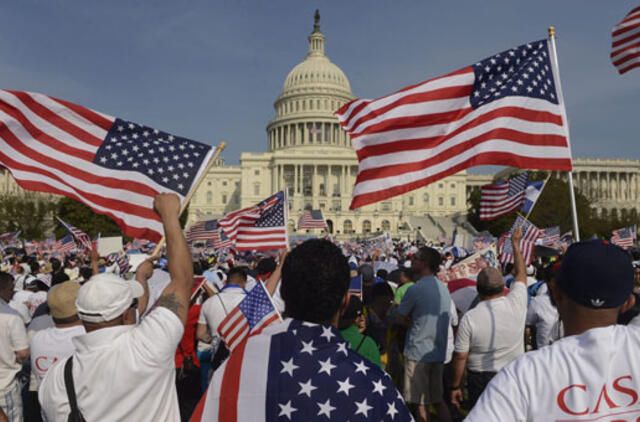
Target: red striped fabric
[431, 130]
[625, 43]
[50, 145]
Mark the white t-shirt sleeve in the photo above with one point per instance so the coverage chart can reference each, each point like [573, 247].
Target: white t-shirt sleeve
[18, 334]
[202, 319]
[158, 336]
[277, 299]
[518, 296]
[453, 315]
[501, 400]
[463, 339]
[532, 314]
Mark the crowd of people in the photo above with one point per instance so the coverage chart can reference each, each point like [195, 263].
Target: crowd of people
[554, 340]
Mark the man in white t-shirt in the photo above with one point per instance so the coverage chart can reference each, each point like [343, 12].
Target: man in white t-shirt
[53, 344]
[544, 317]
[120, 370]
[217, 307]
[492, 334]
[14, 348]
[593, 373]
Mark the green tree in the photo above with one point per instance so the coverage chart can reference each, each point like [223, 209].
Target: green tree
[31, 214]
[83, 217]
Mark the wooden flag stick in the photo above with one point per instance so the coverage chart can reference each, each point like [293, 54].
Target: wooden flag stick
[191, 192]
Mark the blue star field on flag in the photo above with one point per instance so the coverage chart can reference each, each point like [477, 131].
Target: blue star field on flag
[171, 161]
[521, 71]
[317, 377]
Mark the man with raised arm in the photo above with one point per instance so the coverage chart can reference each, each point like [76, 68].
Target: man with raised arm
[122, 370]
[592, 373]
[491, 334]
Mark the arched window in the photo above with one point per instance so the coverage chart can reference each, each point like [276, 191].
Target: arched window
[209, 197]
[425, 198]
[347, 227]
[366, 226]
[385, 225]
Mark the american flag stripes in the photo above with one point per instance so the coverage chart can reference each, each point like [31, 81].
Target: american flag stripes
[501, 198]
[624, 237]
[10, 237]
[202, 231]
[530, 234]
[551, 236]
[252, 314]
[259, 227]
[504, 110]
[625, 43]
[83, 241]
[65, 245]
[114, 166]
[311, 219]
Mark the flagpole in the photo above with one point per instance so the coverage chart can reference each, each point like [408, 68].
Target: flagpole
[286, 216]
[554, 62]
[187, 198]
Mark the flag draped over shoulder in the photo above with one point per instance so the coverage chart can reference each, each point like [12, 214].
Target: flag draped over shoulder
[625, 43]
[262, 226]
[114, 166]
[504, 110]
[498, 199]
[530, 234]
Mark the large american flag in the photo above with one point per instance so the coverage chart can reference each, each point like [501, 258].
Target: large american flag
[202, 231]
[498, 199]
[504, 110]
[300, 371]
[220, 241]
[83, 241]
[311, 219]
[530, 234]
[624, 237]
[251, 316]
[259, 227]
[114, 166]
[625, 43]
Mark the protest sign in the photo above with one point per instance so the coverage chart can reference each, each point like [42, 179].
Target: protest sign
[109, 245]
[471, 266]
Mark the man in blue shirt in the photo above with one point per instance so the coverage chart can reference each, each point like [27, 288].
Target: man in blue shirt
[425, 308]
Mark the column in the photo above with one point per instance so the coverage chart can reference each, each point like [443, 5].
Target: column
[295, 179]
[314, 183]
[343, 182]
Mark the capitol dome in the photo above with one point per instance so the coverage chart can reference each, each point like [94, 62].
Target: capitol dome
[313, 90]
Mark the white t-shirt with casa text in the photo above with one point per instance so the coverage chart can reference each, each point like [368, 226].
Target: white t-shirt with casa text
[493, 331]
[123, 373]
[13, 338]
[594, 376]
[51, 345]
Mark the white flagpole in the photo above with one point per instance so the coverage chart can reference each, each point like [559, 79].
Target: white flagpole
[554, 63]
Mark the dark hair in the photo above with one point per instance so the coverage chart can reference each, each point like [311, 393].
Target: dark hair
[197, 268]
[237, 273]
[35, 267]
[382, 290]
[5, 280]
[86, 273]
[431, 257]
[266, 266]
[315, 278]
[382, 273]
[55, 264]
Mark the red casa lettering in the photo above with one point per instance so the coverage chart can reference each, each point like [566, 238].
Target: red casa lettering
[604, 394]
[562, 403]
[42, 363]
[624, 390]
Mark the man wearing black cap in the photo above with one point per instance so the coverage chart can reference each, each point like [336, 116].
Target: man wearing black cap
[592, 373]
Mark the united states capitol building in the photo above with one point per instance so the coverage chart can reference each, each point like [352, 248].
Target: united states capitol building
[310, 156]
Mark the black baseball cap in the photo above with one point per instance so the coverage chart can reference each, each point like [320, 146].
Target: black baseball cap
[596, 274]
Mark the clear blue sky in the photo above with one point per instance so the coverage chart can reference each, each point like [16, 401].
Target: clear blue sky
[211, 70]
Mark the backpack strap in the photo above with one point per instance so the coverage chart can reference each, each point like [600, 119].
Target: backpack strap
[75, 415]
[360, 344]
